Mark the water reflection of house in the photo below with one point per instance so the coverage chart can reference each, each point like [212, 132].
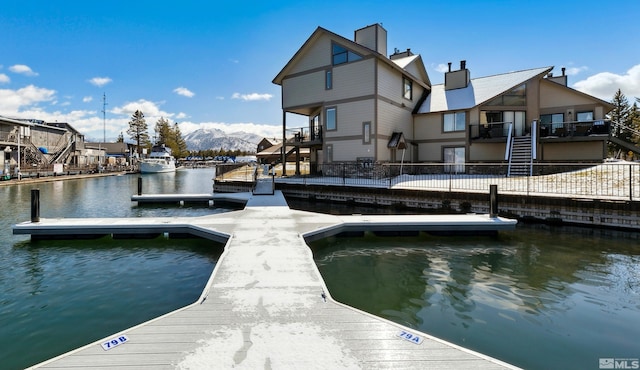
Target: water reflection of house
[356, 99]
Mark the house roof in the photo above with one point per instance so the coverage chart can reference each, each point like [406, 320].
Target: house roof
[353, 45]
[480, 90]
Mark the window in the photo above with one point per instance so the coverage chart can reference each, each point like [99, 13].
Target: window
[551, 118]
[328, 80]
[330, 119]
[366, 132]
[316, 133]
[329, 153]
[342, 55]
[454, 159]
[515, 97]
[584, 116]
[454, 121]
[407, 88]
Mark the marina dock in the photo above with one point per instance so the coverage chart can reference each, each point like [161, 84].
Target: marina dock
[266, 304]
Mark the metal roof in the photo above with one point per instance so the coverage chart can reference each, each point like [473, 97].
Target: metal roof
[479, 91]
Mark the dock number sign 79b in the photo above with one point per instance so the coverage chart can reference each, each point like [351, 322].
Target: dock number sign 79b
[114, 342]
[410, 337]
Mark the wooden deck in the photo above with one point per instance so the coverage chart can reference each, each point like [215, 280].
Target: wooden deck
[266, 305]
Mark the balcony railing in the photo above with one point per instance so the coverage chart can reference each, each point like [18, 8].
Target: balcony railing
[305, 135]
[556, 129]
[583, 128]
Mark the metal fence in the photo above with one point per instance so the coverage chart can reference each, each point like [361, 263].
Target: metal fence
[607, 181]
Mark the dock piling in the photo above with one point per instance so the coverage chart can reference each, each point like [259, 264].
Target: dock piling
[493, 201]
[35, 205]
[139, 185]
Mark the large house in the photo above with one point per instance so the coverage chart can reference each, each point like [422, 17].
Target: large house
[363, 106]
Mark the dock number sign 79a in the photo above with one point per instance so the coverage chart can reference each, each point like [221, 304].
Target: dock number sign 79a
[114, 342]
[410, 337]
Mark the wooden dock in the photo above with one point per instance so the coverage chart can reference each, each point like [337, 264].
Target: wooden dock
[265, 304]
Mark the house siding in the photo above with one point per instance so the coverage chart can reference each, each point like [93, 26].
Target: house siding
[318, 56]
[581, 151]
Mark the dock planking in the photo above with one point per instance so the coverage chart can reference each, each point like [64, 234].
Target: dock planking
[265, 304]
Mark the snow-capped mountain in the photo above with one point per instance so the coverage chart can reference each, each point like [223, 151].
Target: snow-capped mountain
[215, 139]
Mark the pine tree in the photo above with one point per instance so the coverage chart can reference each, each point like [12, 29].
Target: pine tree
[138, 131]
[634, 122]
[163, 132]
[181, 144]
[619, 119]
[120, 138]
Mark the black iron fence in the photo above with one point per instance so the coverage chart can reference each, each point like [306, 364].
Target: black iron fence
[609, 181]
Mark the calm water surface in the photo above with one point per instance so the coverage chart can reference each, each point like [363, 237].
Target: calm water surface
[538, 297]
[58, 295]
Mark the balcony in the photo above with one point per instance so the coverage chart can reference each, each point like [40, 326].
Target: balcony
[304, 136]
[498, 131]
[575, 129]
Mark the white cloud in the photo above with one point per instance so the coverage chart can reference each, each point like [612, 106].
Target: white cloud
[22, 69]
[605, 84]
[4, 79]
[14, 101]
[184, 92]
[252, 96]
[100, 81]
[572, 71]
[181, 115]
[87, 99]
[442, 68]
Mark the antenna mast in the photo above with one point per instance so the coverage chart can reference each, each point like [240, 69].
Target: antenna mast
[104, 118]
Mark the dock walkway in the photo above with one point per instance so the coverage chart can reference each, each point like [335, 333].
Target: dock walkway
[265, 304]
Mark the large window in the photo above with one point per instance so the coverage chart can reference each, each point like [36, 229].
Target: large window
[343, 55]
[407, 91]
[454, 159]
[331, 119]
[584, 116]
[515, 97]
[454, 121]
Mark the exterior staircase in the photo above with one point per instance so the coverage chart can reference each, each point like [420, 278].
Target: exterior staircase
[520, 156]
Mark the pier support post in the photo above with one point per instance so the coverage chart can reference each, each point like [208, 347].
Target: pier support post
[139, 185]
[35, 205]
[493, 201]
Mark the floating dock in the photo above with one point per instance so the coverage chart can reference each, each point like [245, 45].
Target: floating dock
[265, 304]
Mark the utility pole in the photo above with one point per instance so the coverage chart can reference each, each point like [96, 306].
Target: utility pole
[104, 125]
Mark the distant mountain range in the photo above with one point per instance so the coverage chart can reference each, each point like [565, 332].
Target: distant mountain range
[215, 139]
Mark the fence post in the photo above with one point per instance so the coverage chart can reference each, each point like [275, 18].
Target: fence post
[631, 183]
[35, 205]
[344, 174]
[493, 201]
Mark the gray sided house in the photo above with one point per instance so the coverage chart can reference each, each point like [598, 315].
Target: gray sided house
[35, 144]
[363, 106]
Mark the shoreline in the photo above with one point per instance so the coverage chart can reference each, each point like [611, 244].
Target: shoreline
[38, 180]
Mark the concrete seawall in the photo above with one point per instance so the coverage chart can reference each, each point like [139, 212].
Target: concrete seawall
[556, 210]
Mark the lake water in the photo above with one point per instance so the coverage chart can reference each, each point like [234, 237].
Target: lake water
[58, 295]
[539, 297]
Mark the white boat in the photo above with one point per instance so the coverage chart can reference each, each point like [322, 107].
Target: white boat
[160, 160]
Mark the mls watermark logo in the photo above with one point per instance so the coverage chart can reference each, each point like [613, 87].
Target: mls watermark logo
[619, 363]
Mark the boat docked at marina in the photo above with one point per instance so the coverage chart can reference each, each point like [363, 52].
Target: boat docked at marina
[160, 160]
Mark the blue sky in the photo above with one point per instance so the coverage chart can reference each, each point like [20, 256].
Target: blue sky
[210, 64]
